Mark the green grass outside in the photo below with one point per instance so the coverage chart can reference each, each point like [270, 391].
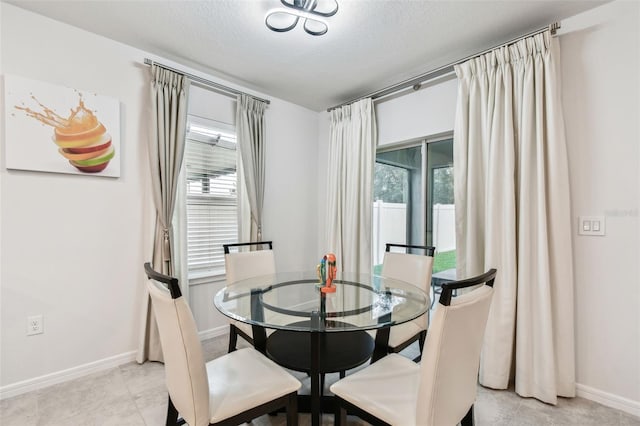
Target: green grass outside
[442, 262]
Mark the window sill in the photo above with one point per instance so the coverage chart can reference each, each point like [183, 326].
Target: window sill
[206, 277]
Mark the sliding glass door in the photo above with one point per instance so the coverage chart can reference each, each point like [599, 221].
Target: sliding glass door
[413, 200]
[398, 208]
[441, 222]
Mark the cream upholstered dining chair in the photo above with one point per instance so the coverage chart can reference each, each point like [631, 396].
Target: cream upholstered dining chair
[415, 269]
[441, 390]
[229, 390]
[242, 265]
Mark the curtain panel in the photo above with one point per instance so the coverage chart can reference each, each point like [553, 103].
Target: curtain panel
[167, 131]
[513, 213]
[352, 149]
[250, 130]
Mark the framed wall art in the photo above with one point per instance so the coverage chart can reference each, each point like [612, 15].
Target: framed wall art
[51, 128]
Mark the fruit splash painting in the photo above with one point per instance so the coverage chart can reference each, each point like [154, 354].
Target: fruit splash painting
[57, 129]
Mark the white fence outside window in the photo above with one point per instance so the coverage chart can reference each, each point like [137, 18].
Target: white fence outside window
[444, 227]
[390, 226]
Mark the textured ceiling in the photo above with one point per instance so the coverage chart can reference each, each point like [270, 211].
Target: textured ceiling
[370, 44]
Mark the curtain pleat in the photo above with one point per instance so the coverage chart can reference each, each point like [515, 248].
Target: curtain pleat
[352, 147]
[250, 130]
[167, 131]
[513, 213]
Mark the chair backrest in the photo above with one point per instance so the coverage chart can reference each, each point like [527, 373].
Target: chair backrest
[186, 374]
[428, 250]
[243, 265]
[412, 268]
[451, 356]
[415, 269]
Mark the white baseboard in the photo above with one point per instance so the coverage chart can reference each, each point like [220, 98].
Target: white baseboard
[40, 382]
[214, 332]
[608, 399]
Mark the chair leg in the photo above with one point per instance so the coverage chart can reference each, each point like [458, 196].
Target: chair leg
[467, 420]
[340, 418]
[172, 414]
[233, 338]
[343, 374]
[292, 409]
[421, 340]
[322, 384]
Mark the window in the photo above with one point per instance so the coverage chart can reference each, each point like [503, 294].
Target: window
[210, 174]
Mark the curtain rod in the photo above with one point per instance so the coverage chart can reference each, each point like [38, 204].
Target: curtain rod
[227, 90]
[443, 70]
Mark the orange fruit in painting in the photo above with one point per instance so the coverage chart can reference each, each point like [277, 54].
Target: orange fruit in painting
[84, 138]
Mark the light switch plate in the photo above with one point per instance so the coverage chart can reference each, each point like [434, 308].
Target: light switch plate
[591, 225]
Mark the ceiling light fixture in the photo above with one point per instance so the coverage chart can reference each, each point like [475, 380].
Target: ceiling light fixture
[311, 12]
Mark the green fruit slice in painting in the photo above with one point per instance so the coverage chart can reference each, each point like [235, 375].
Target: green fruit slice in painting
[94, 165]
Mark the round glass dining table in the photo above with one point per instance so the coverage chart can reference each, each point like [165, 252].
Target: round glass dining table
[320, 332]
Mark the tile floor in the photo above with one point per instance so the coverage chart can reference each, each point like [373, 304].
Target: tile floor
[135, 395]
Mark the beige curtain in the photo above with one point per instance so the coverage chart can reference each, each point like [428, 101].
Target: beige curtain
[167, 129]
[250, 130]
[352, 150]
[513, 213]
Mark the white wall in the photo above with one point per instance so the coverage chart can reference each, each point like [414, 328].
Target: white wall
[290, 208]
[429, 111]
[212, 105]
[601, 97]
[72, 246]
[73, 251]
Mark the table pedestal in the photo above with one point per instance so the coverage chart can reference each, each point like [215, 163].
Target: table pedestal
[319, 353]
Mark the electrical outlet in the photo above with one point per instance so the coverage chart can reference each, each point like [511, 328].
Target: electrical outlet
[35, 325]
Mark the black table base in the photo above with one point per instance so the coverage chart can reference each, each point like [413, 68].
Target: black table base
[338, 351]
[318, 354]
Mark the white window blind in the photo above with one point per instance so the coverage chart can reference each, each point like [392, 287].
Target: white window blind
[212, 220]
